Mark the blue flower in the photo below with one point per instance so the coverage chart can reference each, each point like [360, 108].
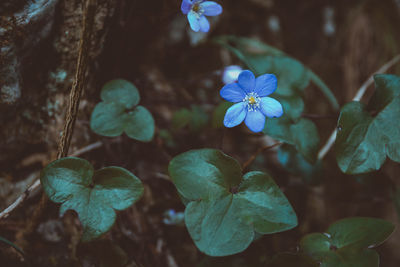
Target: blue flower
[231, 74]
[252, 104]
[196, 10]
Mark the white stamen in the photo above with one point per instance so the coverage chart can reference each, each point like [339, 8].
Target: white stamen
[252, 101]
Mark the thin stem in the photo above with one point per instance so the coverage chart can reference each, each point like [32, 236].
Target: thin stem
[360, 93]
[260, 150]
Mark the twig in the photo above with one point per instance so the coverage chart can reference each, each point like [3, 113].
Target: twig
[74, 99]
[5, 213]
[368, 82]
[260, 150]
[360, 93]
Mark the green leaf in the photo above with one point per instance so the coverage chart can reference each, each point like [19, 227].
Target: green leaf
[219, 114]
[139, 124]
[360, 231]
[196, 118]
[111, 119]
[94, 195]
[225, 209]
[108, 119]
[288, 259]
[315, 243]
[181, 118]
[296, 164]
[347, 241]
[302, 134]
[293, 106]
[199, 119]
[119, 113]
[348, 257]
[121, 92]
[367, 134]
[293, 77]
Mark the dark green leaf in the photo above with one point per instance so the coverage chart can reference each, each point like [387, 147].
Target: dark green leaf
[224, 209]
[367, 134]
[359, 231]
[348, 257]
[199, 119]
[293, 106]
[94, 195]
[302, 134]
[181, 118]
[315, 243]
[347, 241]
[196, 118]
[121, 92]
[296, 164]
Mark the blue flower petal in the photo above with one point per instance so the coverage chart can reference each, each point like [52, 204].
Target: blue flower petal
[271, 107]
[232, 93]
[235, 115]
[186, 6]
[265, 85]
[204, 24]
[247, 81]
[211, 8]
[193, 21]
[255, 120]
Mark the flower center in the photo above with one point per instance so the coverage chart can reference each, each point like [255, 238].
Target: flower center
[252, 101]
[196, 8]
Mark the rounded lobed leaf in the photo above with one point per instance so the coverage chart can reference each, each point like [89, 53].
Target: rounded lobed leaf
[364, 140]
[112, 119]
[204, 173]
[122, 92]
[108, 119]
[360, 231]
[261, 203]
[93, 195]
[223, 209]
[347, 242]
[139, 124]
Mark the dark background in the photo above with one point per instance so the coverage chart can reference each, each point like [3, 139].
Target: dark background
[147, 43]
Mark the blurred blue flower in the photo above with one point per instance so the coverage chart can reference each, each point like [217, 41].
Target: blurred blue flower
[196, 10]
[171, 217]
[231, 74]
[252, 104]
